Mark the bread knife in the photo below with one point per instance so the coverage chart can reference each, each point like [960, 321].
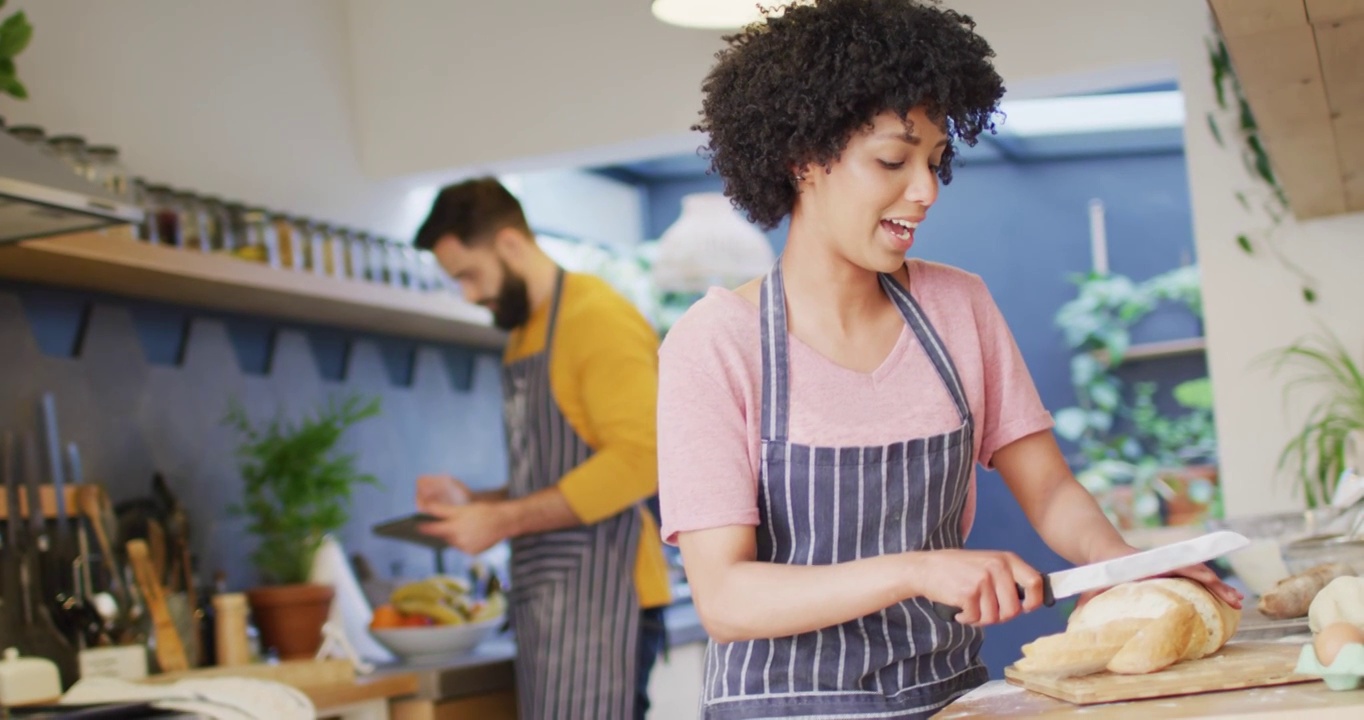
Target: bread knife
[1145, 564]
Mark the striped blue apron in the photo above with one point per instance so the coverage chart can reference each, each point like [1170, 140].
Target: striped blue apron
[823, 505]
[574, 607]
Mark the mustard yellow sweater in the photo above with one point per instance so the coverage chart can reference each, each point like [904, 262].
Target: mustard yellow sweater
[604, 376]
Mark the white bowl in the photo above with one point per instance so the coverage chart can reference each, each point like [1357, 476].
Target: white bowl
[435, 641]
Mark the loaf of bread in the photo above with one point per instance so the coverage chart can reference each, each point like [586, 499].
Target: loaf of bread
[1162, 643]
[1134, 628]
[1078, 652]
[1292, 597]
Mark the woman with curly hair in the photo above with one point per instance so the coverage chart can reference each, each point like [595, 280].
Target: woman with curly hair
[819, 427]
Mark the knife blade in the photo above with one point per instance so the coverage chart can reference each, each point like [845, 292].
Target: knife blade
[1145, 564]
[60, 539]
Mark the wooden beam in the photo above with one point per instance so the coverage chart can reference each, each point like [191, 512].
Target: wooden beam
[1349, 133]
[1252, 17]
[1281, 77]
[1327, 10]
[1306, 165]
[1340, 48]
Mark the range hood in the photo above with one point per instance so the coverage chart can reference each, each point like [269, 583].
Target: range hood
[39, 196]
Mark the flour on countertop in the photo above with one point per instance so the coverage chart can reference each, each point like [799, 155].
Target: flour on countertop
[993, 689]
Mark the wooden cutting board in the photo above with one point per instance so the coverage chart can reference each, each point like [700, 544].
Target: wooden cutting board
[1238, 665]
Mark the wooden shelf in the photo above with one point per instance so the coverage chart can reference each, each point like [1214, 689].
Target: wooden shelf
[1298, 62]
[1164, 348]
[118, 265]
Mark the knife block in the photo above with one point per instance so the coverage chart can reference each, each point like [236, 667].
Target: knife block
[76, 497]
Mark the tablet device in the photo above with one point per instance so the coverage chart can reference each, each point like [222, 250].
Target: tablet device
[405, 528]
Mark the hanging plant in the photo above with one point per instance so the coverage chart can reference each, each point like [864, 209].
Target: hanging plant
[15, 33]
[1269, 197]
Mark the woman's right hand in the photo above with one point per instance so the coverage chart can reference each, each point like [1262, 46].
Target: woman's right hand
[433, 490]
[983, 583]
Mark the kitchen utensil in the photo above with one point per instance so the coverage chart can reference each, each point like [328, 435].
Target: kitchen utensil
[170, 653]
[1237, 665]
[11, 590]
[95, 616]
[76, 473]
[96, 510]
[60, 545]
[156, 547]
[1149, 563]
[41, 636]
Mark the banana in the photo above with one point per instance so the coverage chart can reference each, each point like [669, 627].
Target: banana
[441, 613]
[494, 607]
[417, 591]
[446, 600]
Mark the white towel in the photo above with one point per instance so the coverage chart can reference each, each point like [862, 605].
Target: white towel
[213, 698]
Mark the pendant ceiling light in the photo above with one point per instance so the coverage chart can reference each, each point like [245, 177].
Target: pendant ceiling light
[713, 14]
[711, 244]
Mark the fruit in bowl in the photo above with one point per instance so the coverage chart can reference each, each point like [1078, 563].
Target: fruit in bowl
[437, 617]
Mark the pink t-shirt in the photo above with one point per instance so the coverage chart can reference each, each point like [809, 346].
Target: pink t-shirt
[710, 396]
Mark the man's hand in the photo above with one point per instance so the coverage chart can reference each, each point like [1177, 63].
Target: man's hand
[471, 527]
[433, 490]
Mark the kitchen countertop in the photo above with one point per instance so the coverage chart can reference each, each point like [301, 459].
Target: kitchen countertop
[1302, 701]
[488, 668]
[1299, 701]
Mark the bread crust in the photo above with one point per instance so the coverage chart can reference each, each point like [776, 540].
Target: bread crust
[1160, 644]
[1134, 628]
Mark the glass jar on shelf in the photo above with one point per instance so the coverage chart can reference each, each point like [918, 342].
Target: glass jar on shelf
[377, 260]
[160, 220]
[338, 251]
[291, 238]
[398, 275]
[218, 224]
[357, 253]
[192, 225]
[107, 170]
[70, 149]
[34, 136]
[256, 237]
[317, 243]
[413, 274]
[433, 277]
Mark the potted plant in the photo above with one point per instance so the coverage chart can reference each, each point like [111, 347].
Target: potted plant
[15, 32]
[297, 489]
[1320, 451]
[1145, 467]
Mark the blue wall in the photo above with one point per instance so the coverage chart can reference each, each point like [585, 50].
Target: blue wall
[1024, 228]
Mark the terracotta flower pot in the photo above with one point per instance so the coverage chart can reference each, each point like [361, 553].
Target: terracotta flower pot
[1183, 509]
[290, 617]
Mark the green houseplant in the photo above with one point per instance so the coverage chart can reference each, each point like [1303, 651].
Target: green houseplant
[1317, 454]
[297, 489]
[15, 33]
[1145, 467]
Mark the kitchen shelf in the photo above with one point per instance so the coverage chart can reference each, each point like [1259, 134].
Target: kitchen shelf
[1161, 349]
[116, 264]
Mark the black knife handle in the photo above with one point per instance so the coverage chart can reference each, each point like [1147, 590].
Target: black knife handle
[947, 612]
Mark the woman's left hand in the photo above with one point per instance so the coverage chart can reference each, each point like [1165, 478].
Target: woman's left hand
[1199, 573]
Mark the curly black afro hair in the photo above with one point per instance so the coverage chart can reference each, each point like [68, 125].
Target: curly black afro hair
[794, 89]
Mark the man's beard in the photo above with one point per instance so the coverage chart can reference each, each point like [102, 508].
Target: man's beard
[511, 308]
